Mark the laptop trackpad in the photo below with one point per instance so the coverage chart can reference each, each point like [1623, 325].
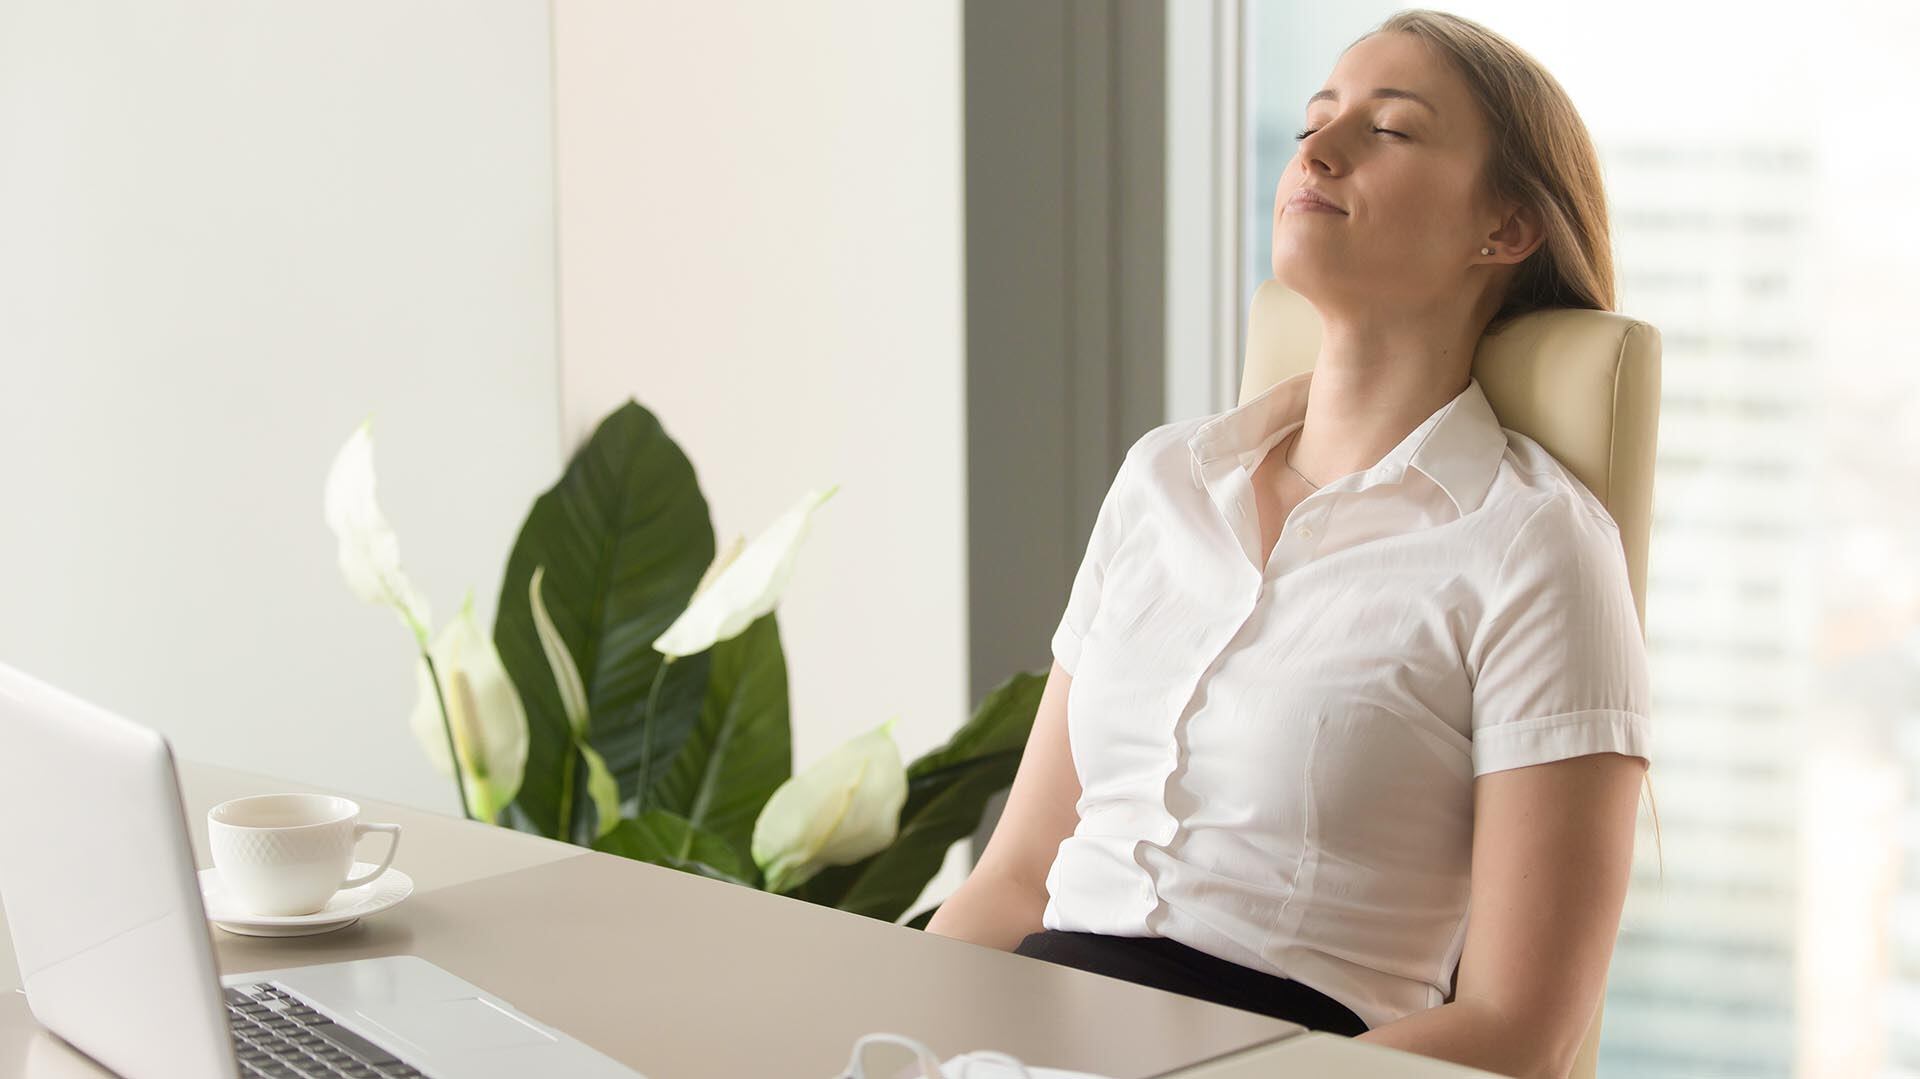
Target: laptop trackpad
[454, 1026]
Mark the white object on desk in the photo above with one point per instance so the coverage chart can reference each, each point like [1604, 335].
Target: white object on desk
[113, 947]
[980, 1065]
[347, 906]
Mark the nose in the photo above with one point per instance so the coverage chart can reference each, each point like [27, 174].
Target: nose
[1324, 152]
[1317, 155]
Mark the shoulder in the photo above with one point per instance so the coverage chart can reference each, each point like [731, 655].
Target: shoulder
[1548, 538]
[1161, 455]
[1167, 440]
[1537, 498]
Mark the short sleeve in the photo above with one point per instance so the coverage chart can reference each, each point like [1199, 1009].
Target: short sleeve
[1084, 598]
[1560, 664]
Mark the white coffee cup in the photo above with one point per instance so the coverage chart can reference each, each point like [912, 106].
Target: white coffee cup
[287, 854]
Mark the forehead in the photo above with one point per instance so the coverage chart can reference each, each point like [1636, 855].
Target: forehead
[1404, 62]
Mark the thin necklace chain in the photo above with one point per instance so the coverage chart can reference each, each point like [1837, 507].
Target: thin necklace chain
[1291, 439]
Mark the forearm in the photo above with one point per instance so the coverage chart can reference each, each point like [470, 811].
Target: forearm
[990, 910]
[1471, 1033]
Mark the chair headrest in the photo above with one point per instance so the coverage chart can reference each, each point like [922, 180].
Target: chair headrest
[1583, 384]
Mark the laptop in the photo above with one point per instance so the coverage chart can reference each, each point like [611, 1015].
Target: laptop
[116, 955]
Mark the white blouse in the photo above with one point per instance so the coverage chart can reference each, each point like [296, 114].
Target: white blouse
[1277, 766]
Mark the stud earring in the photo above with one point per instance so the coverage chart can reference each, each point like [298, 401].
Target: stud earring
[1486, 250]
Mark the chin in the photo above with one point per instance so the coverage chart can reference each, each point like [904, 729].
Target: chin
[1293, 270]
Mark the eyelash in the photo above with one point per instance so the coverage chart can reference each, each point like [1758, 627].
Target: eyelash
[1298, 135]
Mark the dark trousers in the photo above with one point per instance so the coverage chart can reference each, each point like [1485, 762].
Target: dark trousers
[1164, 963]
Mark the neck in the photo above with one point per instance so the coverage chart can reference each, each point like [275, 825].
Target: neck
[1371, 385]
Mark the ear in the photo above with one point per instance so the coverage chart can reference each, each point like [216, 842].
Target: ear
[1517, 236]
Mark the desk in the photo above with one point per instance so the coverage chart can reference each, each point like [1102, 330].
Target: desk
[683, 977]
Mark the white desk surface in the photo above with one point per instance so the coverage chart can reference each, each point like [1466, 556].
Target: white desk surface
[1319, 1055]
[681, 976]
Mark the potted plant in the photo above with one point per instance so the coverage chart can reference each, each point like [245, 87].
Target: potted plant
[633, 695]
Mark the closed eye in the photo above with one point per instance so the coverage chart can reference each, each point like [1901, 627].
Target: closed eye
[1298, 135]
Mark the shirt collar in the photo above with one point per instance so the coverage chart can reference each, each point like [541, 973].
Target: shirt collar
[1458, 447]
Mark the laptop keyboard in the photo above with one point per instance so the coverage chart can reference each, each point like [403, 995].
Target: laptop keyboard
[278, 1037]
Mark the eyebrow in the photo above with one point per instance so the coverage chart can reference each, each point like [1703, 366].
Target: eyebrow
[1384, 91]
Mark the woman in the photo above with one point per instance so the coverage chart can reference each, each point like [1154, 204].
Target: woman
[1349, 657]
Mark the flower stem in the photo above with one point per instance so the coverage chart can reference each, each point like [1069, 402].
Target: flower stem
[646, 734]
[446, 724]
[565, 826]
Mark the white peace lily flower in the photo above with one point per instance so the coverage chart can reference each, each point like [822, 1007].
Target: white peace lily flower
[747, 584]
[601, 786]
[566, 676]
[720, 562]
[489, 723]
[844, 808]
[369, 552]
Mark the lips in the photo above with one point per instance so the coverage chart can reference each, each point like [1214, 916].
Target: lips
[1307, 198]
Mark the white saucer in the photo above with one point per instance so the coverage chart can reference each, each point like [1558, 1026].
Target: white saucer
[346, 907]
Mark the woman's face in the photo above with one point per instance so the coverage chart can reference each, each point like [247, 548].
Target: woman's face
[1397, 143]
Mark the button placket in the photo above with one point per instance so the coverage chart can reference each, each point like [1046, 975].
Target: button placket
[1181, 705]
[1311, 524]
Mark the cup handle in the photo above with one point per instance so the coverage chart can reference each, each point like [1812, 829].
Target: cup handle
[393, 844]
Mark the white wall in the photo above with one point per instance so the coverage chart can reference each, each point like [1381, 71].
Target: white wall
[761, 240]
[232, 230]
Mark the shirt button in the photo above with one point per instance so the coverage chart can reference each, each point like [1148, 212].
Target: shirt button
[1305, 532]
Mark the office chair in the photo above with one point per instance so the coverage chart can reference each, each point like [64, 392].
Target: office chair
[1583, 384]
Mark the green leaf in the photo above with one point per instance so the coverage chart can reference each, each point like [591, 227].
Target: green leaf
[742, 749]
[624, 537]
[668, 839]
[947, 791]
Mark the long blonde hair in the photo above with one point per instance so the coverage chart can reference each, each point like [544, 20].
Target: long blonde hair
[1542, 157]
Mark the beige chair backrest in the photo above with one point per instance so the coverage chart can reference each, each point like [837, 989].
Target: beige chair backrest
[1585, 385]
